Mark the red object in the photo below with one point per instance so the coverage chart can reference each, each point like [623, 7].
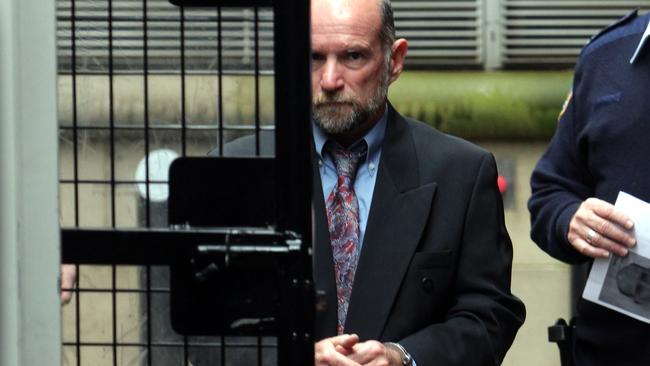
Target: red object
[503, 184]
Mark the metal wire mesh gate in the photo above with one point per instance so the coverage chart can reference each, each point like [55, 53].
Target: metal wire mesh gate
[134, 92]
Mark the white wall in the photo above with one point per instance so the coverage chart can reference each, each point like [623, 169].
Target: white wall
[29, 234]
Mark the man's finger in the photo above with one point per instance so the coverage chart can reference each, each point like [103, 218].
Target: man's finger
[334, 358]
[609, 212]
[343, 350]
[367, 352]
[333, 351]
[340, 360]
[609, 230]
[345, 340]
[588, 250]
[67, 280]
[601, 241]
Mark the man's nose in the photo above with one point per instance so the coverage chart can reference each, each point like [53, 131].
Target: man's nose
[331, 78]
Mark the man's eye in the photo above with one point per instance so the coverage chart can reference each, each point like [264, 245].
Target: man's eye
[354, 59]
[317, 57]
[354, 56]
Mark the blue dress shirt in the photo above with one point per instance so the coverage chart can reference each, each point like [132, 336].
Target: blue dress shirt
[364, 183]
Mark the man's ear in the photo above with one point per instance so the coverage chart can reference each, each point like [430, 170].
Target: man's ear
[397, 57]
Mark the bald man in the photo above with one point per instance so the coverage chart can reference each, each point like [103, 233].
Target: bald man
[411, 246]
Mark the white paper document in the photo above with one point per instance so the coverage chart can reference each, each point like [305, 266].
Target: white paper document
[623, 283]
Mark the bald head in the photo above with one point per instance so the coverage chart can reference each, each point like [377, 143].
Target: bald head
[379, 12]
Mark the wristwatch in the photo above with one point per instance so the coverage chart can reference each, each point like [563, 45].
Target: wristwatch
[405, 357]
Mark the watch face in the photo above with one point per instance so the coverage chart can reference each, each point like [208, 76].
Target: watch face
[406, 360]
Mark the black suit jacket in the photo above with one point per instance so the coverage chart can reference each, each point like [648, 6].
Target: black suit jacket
[435, 266]
[434, 271]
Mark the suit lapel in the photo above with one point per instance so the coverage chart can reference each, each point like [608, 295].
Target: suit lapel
[399, 202]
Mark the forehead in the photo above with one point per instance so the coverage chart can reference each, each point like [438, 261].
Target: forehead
[347, 21]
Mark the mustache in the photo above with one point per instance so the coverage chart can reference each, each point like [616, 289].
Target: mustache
[322, 99]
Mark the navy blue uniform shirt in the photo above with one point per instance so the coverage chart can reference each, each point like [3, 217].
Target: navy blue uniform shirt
[601, 146]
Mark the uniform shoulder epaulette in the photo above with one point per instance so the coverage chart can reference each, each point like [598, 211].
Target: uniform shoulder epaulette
[624, 20]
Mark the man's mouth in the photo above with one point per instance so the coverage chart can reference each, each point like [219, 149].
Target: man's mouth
[332, 104]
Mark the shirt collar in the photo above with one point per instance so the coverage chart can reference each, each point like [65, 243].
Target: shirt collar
[374, 138]
[642, 44]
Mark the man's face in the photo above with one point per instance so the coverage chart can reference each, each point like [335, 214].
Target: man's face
[350, 75]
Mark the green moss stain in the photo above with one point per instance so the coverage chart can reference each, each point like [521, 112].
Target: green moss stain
[471, 104]
[484, 105]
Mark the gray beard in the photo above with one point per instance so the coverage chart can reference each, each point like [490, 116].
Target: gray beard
[337, 115]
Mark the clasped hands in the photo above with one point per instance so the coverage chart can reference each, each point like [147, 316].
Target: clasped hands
[598, 228]
[347, 350]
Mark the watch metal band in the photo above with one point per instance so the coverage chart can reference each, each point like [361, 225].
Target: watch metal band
[406, 358]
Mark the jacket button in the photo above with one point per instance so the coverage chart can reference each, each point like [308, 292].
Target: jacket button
[427, 284]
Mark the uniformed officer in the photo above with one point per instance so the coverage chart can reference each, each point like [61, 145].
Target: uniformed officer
[601, 146]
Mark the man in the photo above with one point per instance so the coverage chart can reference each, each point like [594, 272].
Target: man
[600, 148]
[411, 247]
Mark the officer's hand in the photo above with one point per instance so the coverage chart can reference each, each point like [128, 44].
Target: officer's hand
[374, 353]
[68, 279]
[598, 228]
[334, 351]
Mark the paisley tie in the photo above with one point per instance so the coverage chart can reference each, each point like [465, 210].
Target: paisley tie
[343, 221]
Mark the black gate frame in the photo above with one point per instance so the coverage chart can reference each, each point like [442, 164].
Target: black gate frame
[293, 194]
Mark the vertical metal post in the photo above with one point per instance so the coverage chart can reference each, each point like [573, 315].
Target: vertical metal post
[293, 112]
[493, 32]
[293, 146]
[30, 329]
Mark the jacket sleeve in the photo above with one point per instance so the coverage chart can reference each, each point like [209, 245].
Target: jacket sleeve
[561, 181]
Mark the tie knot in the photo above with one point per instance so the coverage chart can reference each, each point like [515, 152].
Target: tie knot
[346, 161]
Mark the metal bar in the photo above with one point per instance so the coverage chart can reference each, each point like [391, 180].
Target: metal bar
[145, 66]
[117, 182]
[183, 101]
[111, 111]
[75, 164]
[293, 144]
[257, 80]
[293, 113]
[123, 290]
[220, 84]
[186, 360]
[207, 249]
[149, 337]
[77, 315]
[155, 246]
[114, 310]
[147, 213]
[75, 136]
[176, 344]
[211, 3]
[259, 350]
[229, 72]
[171, 128]
[223, 349]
